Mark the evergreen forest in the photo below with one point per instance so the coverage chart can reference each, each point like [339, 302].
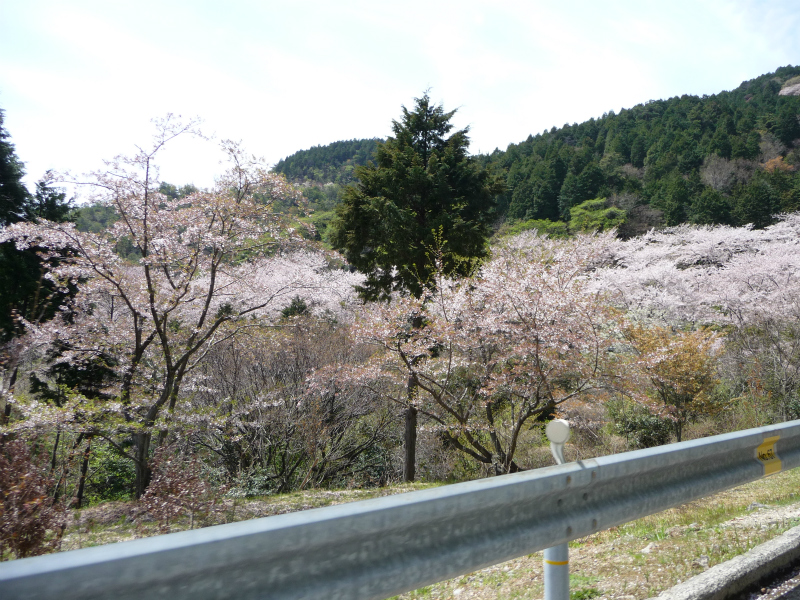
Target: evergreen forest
[727, 159]
[333, 163]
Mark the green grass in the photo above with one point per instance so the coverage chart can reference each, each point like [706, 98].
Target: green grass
[583, 593]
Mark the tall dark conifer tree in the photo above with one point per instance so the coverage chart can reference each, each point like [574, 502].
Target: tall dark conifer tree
[14, 196]
[23, 290]
[425, 192]
[425, 198]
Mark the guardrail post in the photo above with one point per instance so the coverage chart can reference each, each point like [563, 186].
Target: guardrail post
[556, 559]
[556, 573]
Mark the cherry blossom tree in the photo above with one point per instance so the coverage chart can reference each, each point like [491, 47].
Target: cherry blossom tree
[271, 432]
[705, 275]
[744, 280]
[763, 361]
[722, 174]
[484, 355]
[209, 265]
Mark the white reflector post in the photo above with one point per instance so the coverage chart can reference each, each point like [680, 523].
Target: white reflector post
[556, 559]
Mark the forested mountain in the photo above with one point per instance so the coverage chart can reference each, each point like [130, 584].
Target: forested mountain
[323, 172]
[333, 163]
[728, 158]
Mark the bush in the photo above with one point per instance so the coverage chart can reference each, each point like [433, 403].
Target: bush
[178, 488]
[641, 428]
[552, 229]
[595, 215]
[111, 476]
[297, 307]
[31, 522]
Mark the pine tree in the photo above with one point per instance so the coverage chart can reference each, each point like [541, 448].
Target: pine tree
[23, 290]
[425, 194]
[14, 195]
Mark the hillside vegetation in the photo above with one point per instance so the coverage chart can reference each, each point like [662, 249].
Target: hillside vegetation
[332, 163]
[729, 158]
[182, 349]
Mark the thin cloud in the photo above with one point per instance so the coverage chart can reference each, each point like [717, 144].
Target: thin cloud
[79, 82]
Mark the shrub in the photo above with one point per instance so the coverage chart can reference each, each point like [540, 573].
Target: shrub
[641, 428]
[295, 308]
[553, 229]
[112, 476]
[595, 215]
[177, 488]
[31, 522]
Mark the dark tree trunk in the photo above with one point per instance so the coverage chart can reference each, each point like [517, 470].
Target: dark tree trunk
[65, 473]
[54, 456]
[143, 473]
[84, 470]
[410, 444]
[7, 409]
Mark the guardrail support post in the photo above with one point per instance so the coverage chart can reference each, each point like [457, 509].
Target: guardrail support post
[556, 573]
[556, 559]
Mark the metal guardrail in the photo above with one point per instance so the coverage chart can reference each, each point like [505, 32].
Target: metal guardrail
[378, 548]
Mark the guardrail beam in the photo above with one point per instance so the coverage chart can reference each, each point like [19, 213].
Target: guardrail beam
[378, 548]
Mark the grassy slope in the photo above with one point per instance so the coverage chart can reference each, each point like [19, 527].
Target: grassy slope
[639, 559]
[633, 561]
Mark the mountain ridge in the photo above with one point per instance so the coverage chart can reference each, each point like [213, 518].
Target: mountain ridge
[727, 158]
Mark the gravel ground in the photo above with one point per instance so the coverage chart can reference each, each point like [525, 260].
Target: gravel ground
[786, 587]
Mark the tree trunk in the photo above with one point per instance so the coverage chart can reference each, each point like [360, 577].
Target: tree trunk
[54, 456]
[410, 444]
[65, 473]
[84, 470]
[143, 473]
[7, 408]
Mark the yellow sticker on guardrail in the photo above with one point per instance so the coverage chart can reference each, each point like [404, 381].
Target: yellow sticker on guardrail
[768, 457]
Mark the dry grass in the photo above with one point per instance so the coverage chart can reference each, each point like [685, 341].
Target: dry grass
[111, 522]
[634, 561]
[639, 559]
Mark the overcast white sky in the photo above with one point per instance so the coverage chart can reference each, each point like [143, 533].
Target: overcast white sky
[80, 80]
